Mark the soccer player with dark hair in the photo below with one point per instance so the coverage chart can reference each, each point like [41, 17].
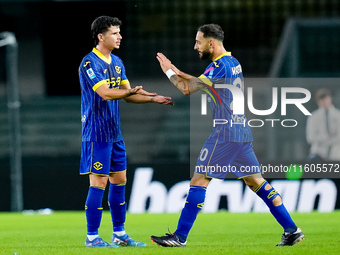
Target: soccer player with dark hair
[227, 145]
[103, 82]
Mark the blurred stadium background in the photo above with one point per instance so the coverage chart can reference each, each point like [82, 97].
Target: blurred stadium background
[282, 39]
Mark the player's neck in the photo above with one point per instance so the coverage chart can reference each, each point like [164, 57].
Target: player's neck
[103, 50]
[218, 52]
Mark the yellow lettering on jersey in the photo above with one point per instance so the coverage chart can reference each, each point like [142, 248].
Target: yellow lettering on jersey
[86, 63]
[113, 83]
[118, 81]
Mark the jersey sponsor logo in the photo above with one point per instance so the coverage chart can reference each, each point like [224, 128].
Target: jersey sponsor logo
[86, 63]
[97, 166]
[216, 65]
[90, 73]
[105, 70]
[236, 69]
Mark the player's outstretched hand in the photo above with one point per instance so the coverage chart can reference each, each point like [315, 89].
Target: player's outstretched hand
[135, 90]
[176, 70]
[162, 100]
[145, 93]
[164, 62]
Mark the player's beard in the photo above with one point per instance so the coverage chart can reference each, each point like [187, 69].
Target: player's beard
[206, 54]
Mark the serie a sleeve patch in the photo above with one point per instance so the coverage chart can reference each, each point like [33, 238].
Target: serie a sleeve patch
[90, 73]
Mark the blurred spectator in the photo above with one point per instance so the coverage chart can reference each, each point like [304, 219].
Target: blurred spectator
[323, 129]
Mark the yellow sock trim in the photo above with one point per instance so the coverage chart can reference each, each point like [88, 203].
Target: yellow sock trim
[260, 186]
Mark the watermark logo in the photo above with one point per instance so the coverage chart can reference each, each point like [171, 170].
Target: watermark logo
[209, 90]
[237, 106]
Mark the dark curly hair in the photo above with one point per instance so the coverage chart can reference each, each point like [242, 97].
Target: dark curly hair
[213, 31]
[101, 24]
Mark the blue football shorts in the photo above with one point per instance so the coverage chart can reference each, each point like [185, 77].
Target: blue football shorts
[102, 158]
[217, 159]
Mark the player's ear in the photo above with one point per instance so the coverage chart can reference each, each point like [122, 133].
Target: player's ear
[100, 37]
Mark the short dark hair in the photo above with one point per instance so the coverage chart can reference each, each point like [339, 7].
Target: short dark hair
[213, 31]
[101, 24]
[322, 93]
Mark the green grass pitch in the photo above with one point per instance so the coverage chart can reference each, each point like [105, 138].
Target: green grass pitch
[219, 233]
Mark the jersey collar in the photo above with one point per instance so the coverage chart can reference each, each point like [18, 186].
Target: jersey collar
[228, 53]
[101, 56]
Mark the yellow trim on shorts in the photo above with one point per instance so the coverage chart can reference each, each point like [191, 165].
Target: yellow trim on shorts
[247, 176]
[88, 173]
[119, 171]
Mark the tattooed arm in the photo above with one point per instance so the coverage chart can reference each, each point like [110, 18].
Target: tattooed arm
[185, 83]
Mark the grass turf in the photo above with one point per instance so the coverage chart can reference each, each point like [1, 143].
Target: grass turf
[219, 233]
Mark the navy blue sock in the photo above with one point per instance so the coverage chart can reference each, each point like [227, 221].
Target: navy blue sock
[94, 209]
[279, 212]
[193, 206]
[117, 206]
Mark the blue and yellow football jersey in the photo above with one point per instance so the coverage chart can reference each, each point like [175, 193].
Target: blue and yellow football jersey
[226, 69]
[100, 118]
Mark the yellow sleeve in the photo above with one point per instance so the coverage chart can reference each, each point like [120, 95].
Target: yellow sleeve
[98, 84]
[122, 82]
[205, 80]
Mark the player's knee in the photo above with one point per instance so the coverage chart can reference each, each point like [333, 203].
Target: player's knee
[252, 187]
[119, 177]
[253, 182]
[97, 180]
[199, 181]
[116, 180]
[99, 184]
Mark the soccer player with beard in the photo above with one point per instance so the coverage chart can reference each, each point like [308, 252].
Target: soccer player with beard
[227, 145]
